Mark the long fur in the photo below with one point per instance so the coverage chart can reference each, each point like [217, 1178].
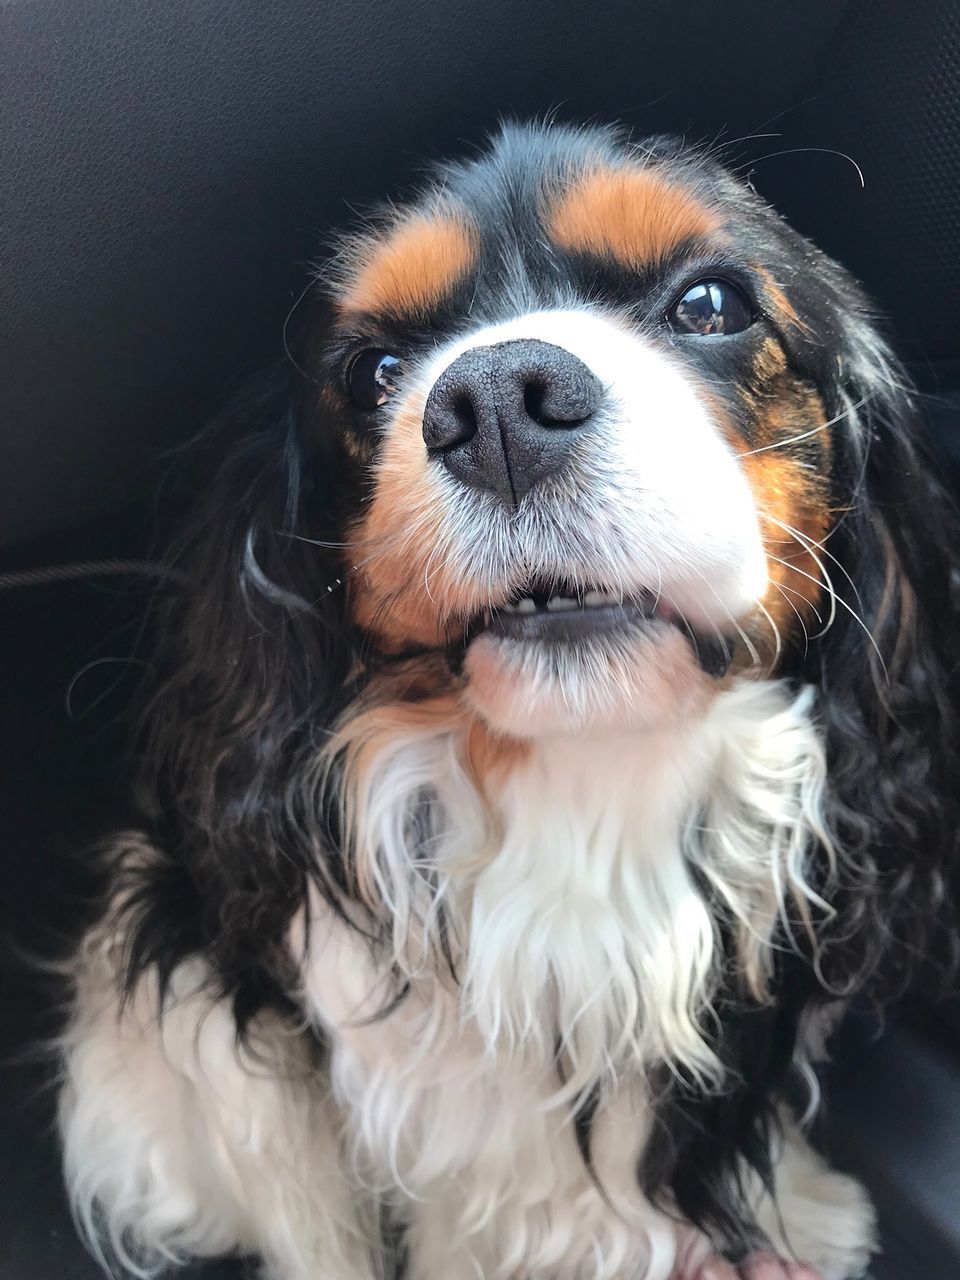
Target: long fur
[316, 812]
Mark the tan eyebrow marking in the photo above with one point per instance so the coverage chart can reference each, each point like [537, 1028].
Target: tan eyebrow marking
[633, 215]
[418, 263]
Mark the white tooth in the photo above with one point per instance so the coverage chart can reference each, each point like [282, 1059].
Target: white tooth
[526, 605]
[556, 603]
[593, 599]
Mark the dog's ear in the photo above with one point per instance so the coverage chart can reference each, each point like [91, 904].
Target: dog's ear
[252, 656]
[885, 668]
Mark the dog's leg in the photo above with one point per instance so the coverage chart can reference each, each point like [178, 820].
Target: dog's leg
[821, 1225]
[179, 1143]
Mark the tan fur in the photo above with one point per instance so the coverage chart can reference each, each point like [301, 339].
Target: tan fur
[401, 587]
[632, 215]
[420, 261]
[788, 492]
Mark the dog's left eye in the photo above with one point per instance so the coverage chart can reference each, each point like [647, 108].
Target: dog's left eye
[372, 378]
[711, 307]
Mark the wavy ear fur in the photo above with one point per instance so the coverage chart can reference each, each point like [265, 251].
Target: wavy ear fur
[252, 660]
[887, 673]
[886, 670]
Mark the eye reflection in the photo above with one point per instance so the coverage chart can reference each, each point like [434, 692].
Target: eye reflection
[709, 308]
[373, 377]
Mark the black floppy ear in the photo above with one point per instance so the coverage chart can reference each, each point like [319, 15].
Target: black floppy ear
[252, 656]
[886, 671]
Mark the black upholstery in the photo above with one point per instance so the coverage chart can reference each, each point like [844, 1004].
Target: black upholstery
[169, 166]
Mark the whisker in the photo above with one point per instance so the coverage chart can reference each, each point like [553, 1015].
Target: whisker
[809, 543]
[800, 596]
[838, 600]
[314, 542]
[803, 625]
[284, 332]
[827, 151]
[751, 648]
[805, 435]
[659, 585]
[776, 632]
[826, 582]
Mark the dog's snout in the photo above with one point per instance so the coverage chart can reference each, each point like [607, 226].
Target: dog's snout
[505, 417]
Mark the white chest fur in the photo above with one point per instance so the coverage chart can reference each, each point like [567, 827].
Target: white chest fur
[584, 953]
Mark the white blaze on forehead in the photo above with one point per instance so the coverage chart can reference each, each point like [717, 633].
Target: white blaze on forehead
[659, 472]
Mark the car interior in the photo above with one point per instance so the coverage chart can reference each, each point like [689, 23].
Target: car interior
[171, 171]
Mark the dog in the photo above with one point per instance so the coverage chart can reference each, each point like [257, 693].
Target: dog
[552, 731]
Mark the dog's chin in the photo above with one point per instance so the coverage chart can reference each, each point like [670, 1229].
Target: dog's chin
[527, 682]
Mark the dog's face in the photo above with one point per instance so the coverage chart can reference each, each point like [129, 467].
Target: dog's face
[592, 450]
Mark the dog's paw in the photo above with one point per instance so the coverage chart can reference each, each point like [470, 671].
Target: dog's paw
[759, 1266]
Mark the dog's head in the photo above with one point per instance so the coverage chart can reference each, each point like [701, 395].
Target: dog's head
[592, 413]
[577, 437]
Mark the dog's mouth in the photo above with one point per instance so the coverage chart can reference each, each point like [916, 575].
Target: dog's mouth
[558, 612]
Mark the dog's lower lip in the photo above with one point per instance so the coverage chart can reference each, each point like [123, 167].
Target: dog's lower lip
[572, 622]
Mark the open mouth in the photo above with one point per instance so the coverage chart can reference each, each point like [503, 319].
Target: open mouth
[558, 612]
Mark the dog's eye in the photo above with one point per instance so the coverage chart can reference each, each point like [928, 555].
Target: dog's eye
[372, 378]
[711, 307]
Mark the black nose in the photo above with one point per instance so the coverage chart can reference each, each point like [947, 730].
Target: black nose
[506, 417]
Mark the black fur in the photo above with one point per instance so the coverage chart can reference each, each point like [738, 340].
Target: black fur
[257, 656]
[886, 675]
[254, 652]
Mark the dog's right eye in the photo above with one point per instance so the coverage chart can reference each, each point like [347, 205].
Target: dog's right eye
[372, 378]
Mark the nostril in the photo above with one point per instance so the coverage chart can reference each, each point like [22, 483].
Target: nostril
[566, 394]
[466, 416]
[533, 397]
[544, 406]
[449, 418]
